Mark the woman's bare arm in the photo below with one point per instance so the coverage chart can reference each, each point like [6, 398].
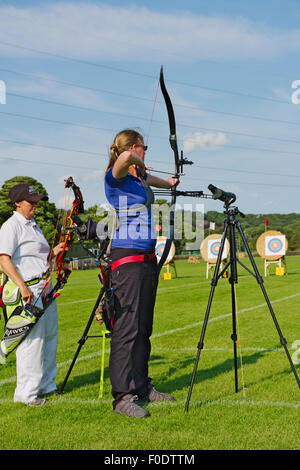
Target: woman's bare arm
[124, 161]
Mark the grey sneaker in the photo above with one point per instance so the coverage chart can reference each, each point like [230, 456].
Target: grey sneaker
[154, 395]
[37, 402]
[126, 406]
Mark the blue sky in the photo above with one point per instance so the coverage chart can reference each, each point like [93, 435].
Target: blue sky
[78, 72]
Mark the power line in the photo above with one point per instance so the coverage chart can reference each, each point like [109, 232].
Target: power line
[80, 61]
[56, 164]
[67, 105]
[235, 170]
[23, 160]
[118, 69]
[75, 85]
[125, 95]
[189, 126]
[53, 147]
[70, 123]
[55, 121]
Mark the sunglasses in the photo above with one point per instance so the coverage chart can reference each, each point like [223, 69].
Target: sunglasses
[145, 147]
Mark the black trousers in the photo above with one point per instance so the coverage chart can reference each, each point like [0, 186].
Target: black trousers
[135, 286]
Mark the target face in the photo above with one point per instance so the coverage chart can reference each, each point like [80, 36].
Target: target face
[275, 245]
[160, 247]
[213, 248]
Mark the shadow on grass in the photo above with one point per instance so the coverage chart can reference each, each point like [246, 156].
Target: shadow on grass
[75, 381]
[182, 382]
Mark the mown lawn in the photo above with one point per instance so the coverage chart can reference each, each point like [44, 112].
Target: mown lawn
[264, 414]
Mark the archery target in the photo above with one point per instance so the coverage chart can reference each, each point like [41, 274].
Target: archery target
[272, 245]
[213, 249]
[210, 248]
[159, 249]
[275, 245]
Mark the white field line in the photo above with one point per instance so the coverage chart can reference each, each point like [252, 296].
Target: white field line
[158, 335]
[163, 289]
[221, 317]
[160, 291]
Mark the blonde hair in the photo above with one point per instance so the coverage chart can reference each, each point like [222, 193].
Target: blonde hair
[123, 141]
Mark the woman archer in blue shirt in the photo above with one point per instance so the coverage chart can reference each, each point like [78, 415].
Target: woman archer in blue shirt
[134, 273]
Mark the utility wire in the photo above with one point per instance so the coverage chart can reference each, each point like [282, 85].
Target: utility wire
[141, 98]
[53, 147]
[131, 72]
[59, 164]
[140, 118]
[233, 170]
[56, 164]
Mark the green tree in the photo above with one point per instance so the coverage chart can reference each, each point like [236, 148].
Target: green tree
[46, 213]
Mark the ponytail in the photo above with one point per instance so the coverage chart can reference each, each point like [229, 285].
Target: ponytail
[123, 141]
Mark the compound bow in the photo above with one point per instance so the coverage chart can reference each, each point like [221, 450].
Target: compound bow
[67, 234]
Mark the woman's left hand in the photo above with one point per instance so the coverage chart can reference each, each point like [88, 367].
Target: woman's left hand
[58, 249]
[173, 182]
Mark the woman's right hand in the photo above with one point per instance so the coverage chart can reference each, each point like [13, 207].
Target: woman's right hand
[27, 295]
[10, 270]
[124, 161]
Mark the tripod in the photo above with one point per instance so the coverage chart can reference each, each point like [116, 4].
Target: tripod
[84, 337]
[230, 225]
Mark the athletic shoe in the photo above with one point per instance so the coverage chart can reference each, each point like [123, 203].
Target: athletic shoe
[154, 395]
[127, 406]
[37, 402]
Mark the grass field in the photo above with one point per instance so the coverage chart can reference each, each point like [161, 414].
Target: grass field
[264, 414]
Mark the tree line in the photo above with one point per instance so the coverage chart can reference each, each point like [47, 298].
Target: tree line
[47, 217]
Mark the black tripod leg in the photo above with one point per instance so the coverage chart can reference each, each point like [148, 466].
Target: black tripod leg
[213, 286]
[82, 339]
[260, 282]
[234, 337]
[233, 281]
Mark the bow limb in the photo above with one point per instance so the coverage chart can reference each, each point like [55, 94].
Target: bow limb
[172, 123]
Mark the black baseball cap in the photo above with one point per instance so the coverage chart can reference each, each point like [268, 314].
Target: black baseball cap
[25, 192]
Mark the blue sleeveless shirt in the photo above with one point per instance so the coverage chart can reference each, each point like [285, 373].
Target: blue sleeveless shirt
[136, 225]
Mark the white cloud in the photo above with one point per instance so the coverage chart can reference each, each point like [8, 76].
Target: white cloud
[205, 141]
[95, 175]
[101, 32]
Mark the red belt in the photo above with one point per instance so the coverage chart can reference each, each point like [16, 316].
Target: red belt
[131, 259]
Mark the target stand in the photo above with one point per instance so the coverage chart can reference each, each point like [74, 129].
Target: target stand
[159, 249]
[209, 250]
[272, 247]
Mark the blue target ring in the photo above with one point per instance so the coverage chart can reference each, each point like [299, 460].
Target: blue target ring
[215, 248]
[275, 245]
[160, 249]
